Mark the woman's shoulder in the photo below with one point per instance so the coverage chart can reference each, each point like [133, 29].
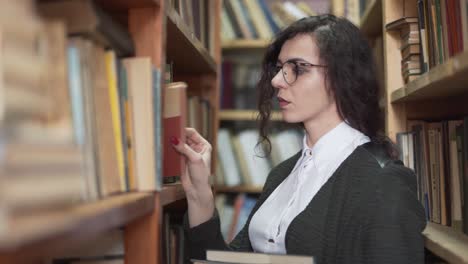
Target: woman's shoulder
[387, 178]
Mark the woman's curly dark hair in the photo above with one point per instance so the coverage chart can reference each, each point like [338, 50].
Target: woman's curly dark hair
[350, 74]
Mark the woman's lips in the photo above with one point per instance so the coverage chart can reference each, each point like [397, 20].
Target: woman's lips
[282, 102]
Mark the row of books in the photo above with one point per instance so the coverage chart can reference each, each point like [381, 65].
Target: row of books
[173, 235]
[79, 121]
[259, 19]
[197, 16]
[240, 162]
[438, 153]
[233, 212]
[351, 9]
[238, 84]
[431, 32]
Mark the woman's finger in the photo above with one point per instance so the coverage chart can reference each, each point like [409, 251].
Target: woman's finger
[185, 150]
[192, 134]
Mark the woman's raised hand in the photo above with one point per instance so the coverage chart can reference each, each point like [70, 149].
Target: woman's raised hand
[195, 181]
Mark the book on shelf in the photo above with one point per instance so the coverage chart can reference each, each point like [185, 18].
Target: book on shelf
[175, 121]
[142, 93]
[262, 19]
[218, 257]
[242, 162]
[436, 152]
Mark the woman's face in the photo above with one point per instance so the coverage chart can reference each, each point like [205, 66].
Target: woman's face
[306, 99]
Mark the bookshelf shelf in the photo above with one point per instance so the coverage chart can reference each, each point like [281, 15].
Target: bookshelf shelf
[447, 243]
[76, 223]
[242, 44]
[238, 189]
[371, 22]
[183, 49]
[172, 193]
[445, 80]
[245, 115]
[123, 5]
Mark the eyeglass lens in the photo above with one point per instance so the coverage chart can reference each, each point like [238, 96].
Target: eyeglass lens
[289, 72]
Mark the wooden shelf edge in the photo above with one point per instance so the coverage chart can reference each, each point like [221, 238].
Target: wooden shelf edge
[175, 20]
[245, 115]
[78, 221]
[371, 22]
[245, 44]
[446, 243]
[238, 189]
[171, 193]
[124, 5]
[444, 80]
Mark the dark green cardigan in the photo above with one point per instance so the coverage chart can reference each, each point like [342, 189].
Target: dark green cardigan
[367, 212]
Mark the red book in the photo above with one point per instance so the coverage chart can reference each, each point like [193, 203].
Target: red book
[175, 119]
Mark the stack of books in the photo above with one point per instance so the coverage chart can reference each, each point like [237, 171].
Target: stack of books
[410, 46]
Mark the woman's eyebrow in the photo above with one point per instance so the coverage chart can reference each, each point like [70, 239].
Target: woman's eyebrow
[297, 59]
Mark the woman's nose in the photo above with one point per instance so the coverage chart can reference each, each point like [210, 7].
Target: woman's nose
[278, 80]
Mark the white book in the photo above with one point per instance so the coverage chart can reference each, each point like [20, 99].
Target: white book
[292, 9]
[226, 155]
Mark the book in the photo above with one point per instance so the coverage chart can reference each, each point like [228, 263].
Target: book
[217, 256]
[175, 120]
[141, 101]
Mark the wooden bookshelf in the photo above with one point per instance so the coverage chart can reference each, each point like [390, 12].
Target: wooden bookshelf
[245, 115]
[184, 49]
[54, 230]
[436, 95]
[245, 44]
[371, 21]
[238, 189]
[445, 80]
[172, 193]
[449, 244]
[160, 33]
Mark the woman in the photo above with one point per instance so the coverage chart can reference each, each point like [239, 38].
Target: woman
[343, 198]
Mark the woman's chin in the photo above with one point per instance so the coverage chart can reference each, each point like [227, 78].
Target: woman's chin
[288, 118]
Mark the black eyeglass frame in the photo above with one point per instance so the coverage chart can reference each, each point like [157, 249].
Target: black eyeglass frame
[297, 64]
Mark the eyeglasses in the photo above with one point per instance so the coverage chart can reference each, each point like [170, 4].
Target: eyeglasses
[292, 69]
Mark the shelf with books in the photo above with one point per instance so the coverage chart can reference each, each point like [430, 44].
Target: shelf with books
[447, 243]
[426, 113]
[63, 226]
[245, 115]
[245, 44]
[100, 52]
[238, 189]
[371, 20]
[187, 53]
[444, 80]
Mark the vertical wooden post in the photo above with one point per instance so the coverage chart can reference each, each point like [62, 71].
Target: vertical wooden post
[143, 236]
[395, 114]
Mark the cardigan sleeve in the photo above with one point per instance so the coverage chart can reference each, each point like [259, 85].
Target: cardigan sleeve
[208, 235]
[392, 232]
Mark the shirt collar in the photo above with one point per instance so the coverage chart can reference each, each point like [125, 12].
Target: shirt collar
[329, 145]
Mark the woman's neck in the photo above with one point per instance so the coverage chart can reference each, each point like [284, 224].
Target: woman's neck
[315, 129]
